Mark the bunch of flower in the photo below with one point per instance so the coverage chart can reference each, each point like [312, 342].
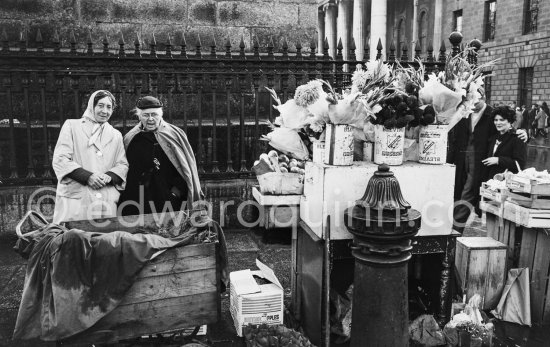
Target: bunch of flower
[454, 92]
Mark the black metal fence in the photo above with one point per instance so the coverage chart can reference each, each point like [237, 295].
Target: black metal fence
[216, 95]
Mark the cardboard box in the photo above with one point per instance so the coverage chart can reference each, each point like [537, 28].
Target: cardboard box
[253, 303]
[330, 190]
[481, 268]
[277, 183]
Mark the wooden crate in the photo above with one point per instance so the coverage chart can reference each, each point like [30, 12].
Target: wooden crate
[279, 211]
[492, 195]
[481, 268]
[526, 185]
[506, 232]
[491, 207]
[530, 200]
[177, 289]
[535, 255]
[531, 218]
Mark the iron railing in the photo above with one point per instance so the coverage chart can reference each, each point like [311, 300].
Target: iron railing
[217, 97]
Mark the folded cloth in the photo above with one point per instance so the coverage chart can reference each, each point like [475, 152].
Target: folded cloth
[74, 277]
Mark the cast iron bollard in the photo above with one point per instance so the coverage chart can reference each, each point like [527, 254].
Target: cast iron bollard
[383, 225]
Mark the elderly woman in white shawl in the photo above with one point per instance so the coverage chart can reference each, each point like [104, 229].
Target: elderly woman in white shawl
[90, 163]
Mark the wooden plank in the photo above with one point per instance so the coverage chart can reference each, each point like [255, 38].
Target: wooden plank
[152, 317]
[492, 225]
[541, 262]
[179, 265]
[460, 264]
[170, 286]
[511, 245]
[276, 200]
[527, 249]
[477, 273]
[505, 233]
[496, 274]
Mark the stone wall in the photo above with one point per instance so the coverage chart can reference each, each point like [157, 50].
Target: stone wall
[211, 19]
[514, 49]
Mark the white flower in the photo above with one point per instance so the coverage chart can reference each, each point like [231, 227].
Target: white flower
[359, 80]
[307, 94]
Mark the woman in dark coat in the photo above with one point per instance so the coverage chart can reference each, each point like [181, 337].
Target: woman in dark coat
[505, 151]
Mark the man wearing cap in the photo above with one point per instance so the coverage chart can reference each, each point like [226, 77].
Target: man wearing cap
[162, 172]
[468, 146]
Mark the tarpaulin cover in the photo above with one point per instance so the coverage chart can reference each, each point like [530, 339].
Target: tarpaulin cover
[514, 305]
[74, 278]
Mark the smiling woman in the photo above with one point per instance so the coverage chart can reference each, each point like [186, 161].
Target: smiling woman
[90, 163]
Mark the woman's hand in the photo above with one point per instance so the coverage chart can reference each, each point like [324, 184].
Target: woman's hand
[490, 161]
[106, 178]
[96, 181]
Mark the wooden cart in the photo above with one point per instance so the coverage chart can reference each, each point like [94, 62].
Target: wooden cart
[178, 289]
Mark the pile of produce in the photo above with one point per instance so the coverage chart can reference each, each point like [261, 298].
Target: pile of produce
[273, 336]
[275, 162]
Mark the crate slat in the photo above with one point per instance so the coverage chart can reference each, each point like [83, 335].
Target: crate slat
[130, 321]
[539, 274]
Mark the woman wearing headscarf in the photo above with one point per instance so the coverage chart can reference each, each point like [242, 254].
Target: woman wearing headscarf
[506, 151]
[90, 163]
[163, 172]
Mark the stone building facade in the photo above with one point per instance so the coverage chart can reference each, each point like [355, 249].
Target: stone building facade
[212, 19]
[516, 31]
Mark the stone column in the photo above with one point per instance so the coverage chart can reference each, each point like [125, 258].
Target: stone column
[414, 38]
[344, 19]
[320, 28]
[359, 30]
[378, 17]
[330, 28]
[438, 9]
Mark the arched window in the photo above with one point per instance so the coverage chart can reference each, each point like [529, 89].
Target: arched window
[423, 31]
[401, 33]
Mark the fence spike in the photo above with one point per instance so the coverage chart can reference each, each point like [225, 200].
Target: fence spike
[312, 48]
[153, 46]
[198, 51]
[72, 41]
[339, 49]
[285, 48]
[298, 50]
[105, 44]
[121, 43]
[256, 47]
[270, 47]
[56, 42]
[168, 46]
[404, 50]
[241, 48]
[39, 36]
[23, 41]
[40, 42]
[213, 47]
[442, 52]
[325, 48]
[227, 48]
[5, 42]
[352, 48]
[90, 43]
[183, 45]
[379, 49]
[417, 50]
[430, 50]
[391, 58]
[137, 45]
